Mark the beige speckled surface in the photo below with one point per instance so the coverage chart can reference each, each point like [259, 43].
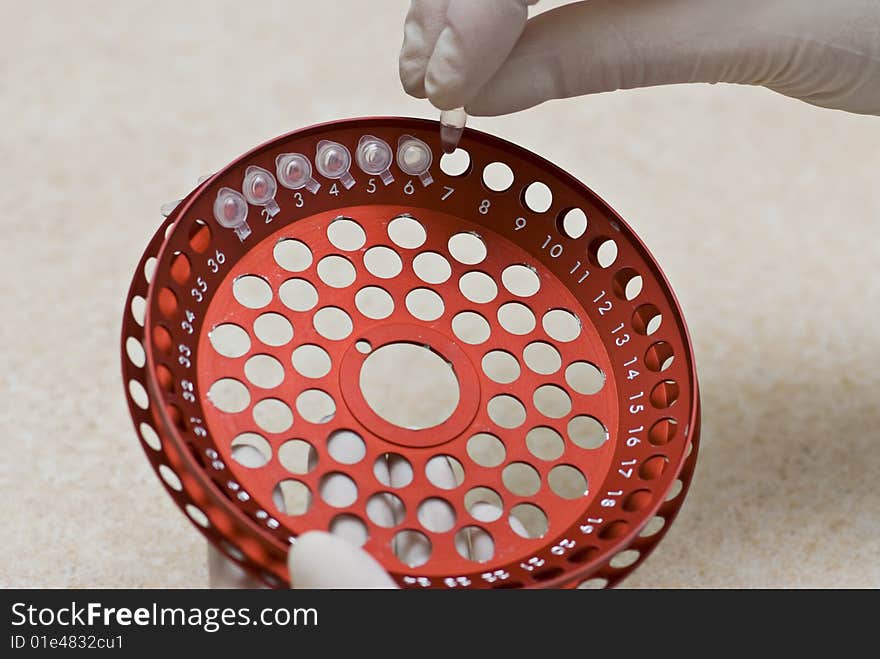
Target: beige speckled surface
[764, 213]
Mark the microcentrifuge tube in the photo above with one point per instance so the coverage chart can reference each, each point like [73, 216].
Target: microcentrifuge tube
[374, 156]
[414, 157]
[295, 171]
[231, 210]
[452, 123]
[333, 160]
[259, 188]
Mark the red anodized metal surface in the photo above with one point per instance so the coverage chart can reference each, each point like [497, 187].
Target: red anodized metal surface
[616, 317]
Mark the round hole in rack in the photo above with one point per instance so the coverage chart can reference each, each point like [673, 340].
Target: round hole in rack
[521, 479]
[231, 551]
[386, 510]
[627, 284]
[424, 304]
[251, 450]
[674, 489]
[500, 366]
[252, 291]
[467, 248]
[374, 303]
[471, 327]
[316, 406]
[475, 543]
[545, 443]
[572, 223]
[393, 470]
[445, 472]
[612, 530]
[483, 504]
[587, 432]
[478, 287]
[497, 176]
[567, 481]
[552, 401]
[336, 271]
[273, 329]
[486, 449]
[664, 394]
[436, 515]
[363, 346]
[624, 559]
[180, 268]
[350, 528]
[561, 325]
[292, 255]
[199, 237]
[138, 309]
[636, 501]
[521, 280]
[273, 415]
[167, 302]
[409, 385]
[311, 361]
[298, 456]
[346, 234]
[135, 352]
[338, 490]
[516, 318]
[542, 358]
[432, 268]
[412, 548]
[229, 340]
[292, 497]
[382, 262]
[264, 371]
[162, 339]
[298, 294]
[646, 319]
[653, 468]
[585, 378]
[197, 515]
[149, 435]
[164, 378]
[229, 395]
[528, 520]
[659, 356]
[346, 446]
[663, 431]
[594, 583]
[653, 527]
[602, 252]
[170, 478]
[407, 232]
[537, 197]
[506, 411]
[457, 163]
[332, 323]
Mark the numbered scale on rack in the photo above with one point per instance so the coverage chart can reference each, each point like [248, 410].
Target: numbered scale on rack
[545, 347]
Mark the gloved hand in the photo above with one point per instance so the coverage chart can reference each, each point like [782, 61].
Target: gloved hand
[487, 56]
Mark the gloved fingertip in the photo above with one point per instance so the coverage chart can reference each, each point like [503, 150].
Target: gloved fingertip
[321, 560]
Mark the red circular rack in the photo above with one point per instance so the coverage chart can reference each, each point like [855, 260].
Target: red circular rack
[571, 439]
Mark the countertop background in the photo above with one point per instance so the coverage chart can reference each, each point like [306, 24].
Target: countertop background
[764, 213]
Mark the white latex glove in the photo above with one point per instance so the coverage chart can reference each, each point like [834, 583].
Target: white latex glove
[487, 56]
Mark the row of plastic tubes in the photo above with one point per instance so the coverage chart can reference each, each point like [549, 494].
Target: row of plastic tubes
[333, 161]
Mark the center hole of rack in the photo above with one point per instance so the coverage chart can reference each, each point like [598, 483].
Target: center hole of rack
[409, 385]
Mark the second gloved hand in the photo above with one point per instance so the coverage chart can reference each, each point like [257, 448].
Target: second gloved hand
[488, 56]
